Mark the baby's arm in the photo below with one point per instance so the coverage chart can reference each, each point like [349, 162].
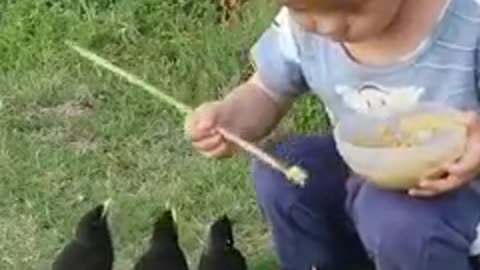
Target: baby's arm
[266, 97]
[254, 108]
[251, 112]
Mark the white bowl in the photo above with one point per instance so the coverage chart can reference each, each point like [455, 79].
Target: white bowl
[398, 167]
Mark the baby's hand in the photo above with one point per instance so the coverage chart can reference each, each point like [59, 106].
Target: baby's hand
[459, 173]
[201, 127]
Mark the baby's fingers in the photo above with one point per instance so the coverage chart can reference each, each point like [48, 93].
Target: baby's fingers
[197, 129]
[433, 187]
[467, 164]
[201, 123]
[209, 143]
[221, 150]
[417, 192]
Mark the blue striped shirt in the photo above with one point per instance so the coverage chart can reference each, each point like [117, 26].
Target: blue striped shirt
[445, 67]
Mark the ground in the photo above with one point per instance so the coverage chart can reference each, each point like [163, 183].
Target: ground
[72, 135]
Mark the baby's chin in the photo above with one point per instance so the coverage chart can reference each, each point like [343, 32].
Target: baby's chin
[348, 38]
[343, 39]
[355, 38]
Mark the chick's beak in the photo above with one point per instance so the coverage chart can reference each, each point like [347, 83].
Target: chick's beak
[106, 207]
[169, 206]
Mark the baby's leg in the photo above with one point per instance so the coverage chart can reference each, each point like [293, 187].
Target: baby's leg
[422, 234]
[309, 225]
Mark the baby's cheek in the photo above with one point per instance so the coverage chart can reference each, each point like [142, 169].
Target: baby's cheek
[309, 25]
[306, 20]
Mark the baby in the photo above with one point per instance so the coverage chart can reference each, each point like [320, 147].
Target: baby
[359, 56]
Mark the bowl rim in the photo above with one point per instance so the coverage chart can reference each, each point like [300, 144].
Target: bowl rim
[445, 110]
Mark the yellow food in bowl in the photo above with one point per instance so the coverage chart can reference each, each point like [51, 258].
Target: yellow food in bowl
[430, 122]
[412, 131]
[393, 152]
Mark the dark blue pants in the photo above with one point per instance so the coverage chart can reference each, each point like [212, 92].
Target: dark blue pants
[339, 222]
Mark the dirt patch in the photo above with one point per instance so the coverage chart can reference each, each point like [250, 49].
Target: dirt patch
[51, 135]
[59, 135]
[69, 109]
[83, 146]
[68, 128]
[229, 10]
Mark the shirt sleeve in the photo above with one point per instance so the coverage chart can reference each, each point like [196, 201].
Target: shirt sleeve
[276, 59]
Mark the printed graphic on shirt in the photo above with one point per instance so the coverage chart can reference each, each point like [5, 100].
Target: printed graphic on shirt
[370, 97]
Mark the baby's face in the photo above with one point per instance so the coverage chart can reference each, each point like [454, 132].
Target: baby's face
[344, 20]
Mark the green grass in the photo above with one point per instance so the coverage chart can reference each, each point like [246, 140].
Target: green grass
[72, 135]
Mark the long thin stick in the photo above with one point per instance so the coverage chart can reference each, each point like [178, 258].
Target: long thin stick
[293, 173]
[130, 77]
[252, 149]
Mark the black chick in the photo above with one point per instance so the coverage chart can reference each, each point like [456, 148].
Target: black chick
[92, 247]
[165, 251]
[221, 253]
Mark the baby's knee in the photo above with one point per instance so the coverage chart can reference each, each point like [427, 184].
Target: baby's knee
[404, 232]
[401, 240]
[417, 243]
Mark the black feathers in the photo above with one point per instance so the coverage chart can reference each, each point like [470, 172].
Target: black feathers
[92, 247]
[164, 251]
[475, 262]
[221, 253]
